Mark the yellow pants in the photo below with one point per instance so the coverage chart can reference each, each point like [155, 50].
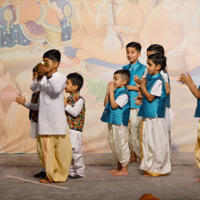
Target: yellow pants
[197, 148]
[55, 155]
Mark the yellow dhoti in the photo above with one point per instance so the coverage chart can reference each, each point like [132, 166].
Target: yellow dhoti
[197, 148]
[55, 155]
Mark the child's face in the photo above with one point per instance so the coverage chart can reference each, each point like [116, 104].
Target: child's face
[70, 88]
[132, 55]
[152, 68]
[52, 65]
[35, 75]
[150, 52]
[118, 82]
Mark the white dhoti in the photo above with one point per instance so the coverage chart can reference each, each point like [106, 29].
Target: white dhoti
[155, 147]
[169, 115]
[77, 166]
[118, 140]
[134, 131]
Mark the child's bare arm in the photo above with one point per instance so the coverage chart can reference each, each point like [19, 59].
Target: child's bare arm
[134, 88]
[187, 80]
[113, 103]
[21, 100]
[144, 91]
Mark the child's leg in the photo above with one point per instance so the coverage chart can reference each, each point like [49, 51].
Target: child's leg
[197, 149]
[79, 165]
[135, 123]
[111, 143]
[121, 148]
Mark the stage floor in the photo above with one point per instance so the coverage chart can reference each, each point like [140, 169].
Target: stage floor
[17, 181]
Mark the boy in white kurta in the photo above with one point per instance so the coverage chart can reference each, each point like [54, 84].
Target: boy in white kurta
[75, 112]
[54, 148]
[116, 114]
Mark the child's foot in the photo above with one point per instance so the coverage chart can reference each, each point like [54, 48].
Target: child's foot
[113, 171]
[147, 175]
[120, 173]
[45, 181]
[76, 176]
[133, 159]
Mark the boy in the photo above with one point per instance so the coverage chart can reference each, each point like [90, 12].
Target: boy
[133, 52]
[54, 149]
[116, 114]
[33, 113]
[75, 112]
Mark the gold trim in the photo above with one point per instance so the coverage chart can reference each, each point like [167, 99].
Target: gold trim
[154, 173]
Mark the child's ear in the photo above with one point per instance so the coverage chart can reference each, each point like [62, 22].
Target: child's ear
[56, 64]
[159, 67]
[76, 87]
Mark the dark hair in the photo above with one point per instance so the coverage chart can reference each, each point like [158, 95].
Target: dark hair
[158, 59]
[135, 45]
[76, 79]
[157, 48]
[35, 69]
[125, 74]
[53, 55]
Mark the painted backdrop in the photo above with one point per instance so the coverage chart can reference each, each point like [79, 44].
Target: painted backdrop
[91, 36]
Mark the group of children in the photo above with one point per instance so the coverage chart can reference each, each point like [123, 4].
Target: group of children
[137, 123]
[56, 122]
[137, 110]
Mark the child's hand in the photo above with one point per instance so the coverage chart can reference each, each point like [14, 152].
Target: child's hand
[65, 101]
[185, 79]
[137, 80]
[111, 87]
[21, 100]
[42, 70]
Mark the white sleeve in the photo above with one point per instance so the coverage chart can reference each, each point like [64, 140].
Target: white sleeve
[145, 73]
[165, 76]
[122, 100]
[35, 86]
[76, 109]
[157, 88]
[32, 106]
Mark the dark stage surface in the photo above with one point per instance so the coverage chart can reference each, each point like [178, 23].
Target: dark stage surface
[17, 181]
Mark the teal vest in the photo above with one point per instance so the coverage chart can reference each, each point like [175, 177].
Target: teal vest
[119, 115]
[136, 69]
[157, 107]
[197, 112]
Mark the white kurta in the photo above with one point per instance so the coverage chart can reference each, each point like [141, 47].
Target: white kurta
[52, 119]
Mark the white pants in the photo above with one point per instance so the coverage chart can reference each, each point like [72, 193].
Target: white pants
[155, 147]
[169, 115]
[118, 140]
[77, 166]
[134, 130]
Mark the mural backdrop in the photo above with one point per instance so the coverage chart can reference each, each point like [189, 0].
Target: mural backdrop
[91, 36]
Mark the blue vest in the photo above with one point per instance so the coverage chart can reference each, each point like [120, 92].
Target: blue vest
[119, 115]
[157, 107]
[197, 112]
[136, 69]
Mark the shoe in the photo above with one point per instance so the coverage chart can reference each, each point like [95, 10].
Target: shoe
[76, 176]
[69, 176]
[41, 175]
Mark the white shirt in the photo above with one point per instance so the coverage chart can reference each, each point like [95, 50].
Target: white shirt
[122, 100]
[52, 119]
[76, 109]
[157, 88]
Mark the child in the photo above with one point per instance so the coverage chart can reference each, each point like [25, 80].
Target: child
[187, 80]
[33, 113]
[116, 114]
[54, 148]
[133, 52]
[155, 138]
[75, 112]
[153, 49]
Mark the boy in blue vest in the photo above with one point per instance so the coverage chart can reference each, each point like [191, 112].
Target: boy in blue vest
[116, 114]
[133, 52]
[75, 113]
